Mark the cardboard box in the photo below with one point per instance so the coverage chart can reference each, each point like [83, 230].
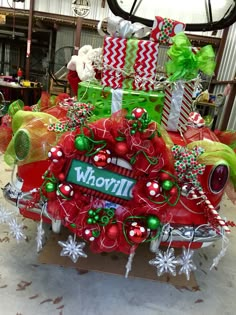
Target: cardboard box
[113, 263]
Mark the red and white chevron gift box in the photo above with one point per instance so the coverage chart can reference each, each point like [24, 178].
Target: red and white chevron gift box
[129, 63]
[177, 105]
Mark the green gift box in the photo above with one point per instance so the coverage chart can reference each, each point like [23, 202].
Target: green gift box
[107, 100]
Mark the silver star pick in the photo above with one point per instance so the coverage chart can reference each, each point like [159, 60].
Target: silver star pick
[186, 262]
[165, 262]
[72, 249]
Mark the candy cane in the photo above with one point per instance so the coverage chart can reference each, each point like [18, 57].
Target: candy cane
[215, 214]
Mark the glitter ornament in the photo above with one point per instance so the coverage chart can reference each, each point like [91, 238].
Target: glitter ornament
[56, 154]
[102, 158]
[65, 190]
[153, 189]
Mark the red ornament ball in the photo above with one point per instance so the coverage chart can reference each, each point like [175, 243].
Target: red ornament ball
[112, 231]
[121, 148]
[102, 158]
[137, 232]
[65, 190]
[61, 177]
[56, 154]
[164, 176]
[173, 191]
[153, 189]
[138, 112]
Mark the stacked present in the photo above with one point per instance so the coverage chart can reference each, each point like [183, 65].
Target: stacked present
[129, 72]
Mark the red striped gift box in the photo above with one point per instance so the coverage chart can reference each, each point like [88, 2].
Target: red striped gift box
[177, 105]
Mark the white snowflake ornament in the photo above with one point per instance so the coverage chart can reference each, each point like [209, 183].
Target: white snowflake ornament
[72, 249]
[165, 262]
[5, 216]
[186, 262]
[16, 230]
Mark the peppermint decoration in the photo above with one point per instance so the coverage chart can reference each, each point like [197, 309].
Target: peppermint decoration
[186, 165]
[72, 249]
[186, 263]
[165, 262]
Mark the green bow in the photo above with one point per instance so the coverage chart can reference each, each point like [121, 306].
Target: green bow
[184, 64]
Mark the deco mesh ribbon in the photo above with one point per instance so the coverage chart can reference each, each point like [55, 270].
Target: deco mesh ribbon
[186, 165]
[184, 63]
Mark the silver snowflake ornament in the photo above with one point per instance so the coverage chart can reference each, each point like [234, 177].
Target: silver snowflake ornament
[40, 236]
[16, 230]
[72, 249]
[165, 262]
[5, 216]
[186, 262]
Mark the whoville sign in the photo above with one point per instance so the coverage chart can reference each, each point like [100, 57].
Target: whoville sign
[101, 180]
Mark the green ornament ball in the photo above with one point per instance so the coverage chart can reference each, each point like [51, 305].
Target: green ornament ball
[82, 143]
[167, 184]
[90, 221]
[49, 187]
[96, 218]
[90, 212]
[153, 222]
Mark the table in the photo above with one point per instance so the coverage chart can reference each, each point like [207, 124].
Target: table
[13, 91]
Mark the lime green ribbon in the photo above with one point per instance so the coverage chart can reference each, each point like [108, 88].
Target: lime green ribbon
[184, 64]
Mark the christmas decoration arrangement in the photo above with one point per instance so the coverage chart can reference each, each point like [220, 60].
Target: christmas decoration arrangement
[127, 162]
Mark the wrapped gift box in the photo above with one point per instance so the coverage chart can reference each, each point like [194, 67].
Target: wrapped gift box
[107, 100]
[129, 63]
[177, 105]
[165, 28]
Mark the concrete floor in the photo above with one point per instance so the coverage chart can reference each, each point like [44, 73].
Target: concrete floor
[28, 288]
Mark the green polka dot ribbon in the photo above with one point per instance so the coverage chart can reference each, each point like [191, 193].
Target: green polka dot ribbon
[166, 30]
[186, 165]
